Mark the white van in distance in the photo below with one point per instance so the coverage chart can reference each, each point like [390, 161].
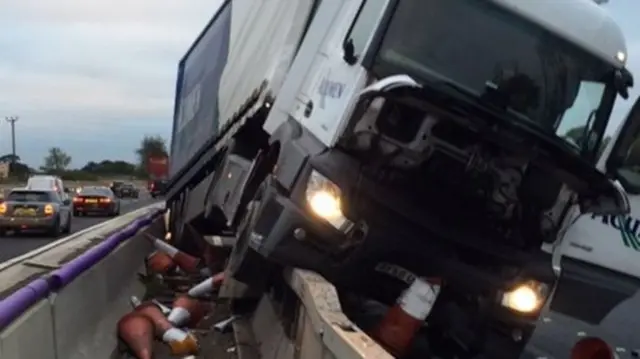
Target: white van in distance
[48, 182]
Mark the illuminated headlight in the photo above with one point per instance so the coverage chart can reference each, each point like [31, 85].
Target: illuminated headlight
[324, 200]
[525, 298]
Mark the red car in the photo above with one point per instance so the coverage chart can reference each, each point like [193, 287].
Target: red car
[96, 200]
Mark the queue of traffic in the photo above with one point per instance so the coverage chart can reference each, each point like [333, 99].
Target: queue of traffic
[47, 206]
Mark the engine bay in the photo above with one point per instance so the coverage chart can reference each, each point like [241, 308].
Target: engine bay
[440, 161]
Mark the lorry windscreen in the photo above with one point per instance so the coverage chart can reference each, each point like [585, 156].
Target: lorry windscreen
[559, 87]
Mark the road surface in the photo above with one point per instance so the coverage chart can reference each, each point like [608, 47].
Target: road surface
[12, 246]
[556, 333]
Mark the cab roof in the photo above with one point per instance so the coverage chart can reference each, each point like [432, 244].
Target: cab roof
[583, 22]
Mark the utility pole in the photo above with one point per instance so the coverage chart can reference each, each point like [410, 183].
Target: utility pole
[12, 120]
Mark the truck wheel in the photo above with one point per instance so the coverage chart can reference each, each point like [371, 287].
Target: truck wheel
[177, 223]
[180, 220]
[245, 264]
[209, 206]
[173, 210]
[55, 230]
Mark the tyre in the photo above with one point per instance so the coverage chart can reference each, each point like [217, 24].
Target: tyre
[209, 206]
[179, 221]
[245, 264]
[175, 220]
[76, 213]
[55, 230]
[3, 232]
[67, 228]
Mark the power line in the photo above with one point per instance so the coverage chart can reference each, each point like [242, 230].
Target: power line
[12, 120]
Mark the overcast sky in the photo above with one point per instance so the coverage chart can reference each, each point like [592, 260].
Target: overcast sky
[94, 76]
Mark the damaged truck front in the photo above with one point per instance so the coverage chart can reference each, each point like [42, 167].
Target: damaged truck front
[407, 143]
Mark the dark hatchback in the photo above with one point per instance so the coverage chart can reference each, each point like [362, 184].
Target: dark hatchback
[128, 190]
[96, 201]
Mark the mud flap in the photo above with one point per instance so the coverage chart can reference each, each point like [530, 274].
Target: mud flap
[589, 293]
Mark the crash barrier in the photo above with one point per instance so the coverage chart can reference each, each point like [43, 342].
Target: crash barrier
[321, 329]
[67, 313]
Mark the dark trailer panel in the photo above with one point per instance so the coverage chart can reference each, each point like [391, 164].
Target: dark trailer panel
[196, 119]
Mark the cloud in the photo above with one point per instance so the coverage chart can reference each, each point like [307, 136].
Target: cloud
[168, 12]
[92, 76]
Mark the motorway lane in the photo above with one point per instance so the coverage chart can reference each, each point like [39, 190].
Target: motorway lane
[556, 333]
[15, 245]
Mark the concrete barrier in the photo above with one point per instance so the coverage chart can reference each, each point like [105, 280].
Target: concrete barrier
[72, 313]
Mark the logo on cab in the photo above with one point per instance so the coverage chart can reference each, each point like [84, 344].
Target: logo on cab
[628, 227]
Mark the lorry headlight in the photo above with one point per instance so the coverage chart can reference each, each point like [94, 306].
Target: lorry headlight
[525, 298]
[324, 200]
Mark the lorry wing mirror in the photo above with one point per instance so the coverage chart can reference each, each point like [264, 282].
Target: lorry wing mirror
[623, 161]
[623, 80]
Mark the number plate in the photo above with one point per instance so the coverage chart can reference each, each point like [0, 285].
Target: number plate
[24, 212]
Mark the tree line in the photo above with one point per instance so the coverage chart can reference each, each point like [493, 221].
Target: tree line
[57, 162]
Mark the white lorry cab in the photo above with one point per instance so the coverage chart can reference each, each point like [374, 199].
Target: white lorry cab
[452, 139]
[598, 258]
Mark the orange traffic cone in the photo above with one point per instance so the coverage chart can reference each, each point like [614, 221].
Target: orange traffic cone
[399, 326]
[592, 348]
[188, 263]
[160, 262]
[206, 286]
[187, 311]
[181, 342]
[136, 331]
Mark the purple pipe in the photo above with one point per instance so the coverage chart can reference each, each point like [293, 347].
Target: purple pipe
[72, 269]
[15, 304]
[19, 301]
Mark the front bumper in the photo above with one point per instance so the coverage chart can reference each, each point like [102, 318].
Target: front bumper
[290, 235]
[287, 233]
[10, 223]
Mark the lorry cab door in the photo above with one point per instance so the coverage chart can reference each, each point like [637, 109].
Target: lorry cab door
[600, 255]
[333, 82]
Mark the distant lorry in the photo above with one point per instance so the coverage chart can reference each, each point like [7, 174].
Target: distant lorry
[365, 140]
[158, 170]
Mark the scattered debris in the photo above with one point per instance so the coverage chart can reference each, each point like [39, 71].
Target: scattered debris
[176, 318]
